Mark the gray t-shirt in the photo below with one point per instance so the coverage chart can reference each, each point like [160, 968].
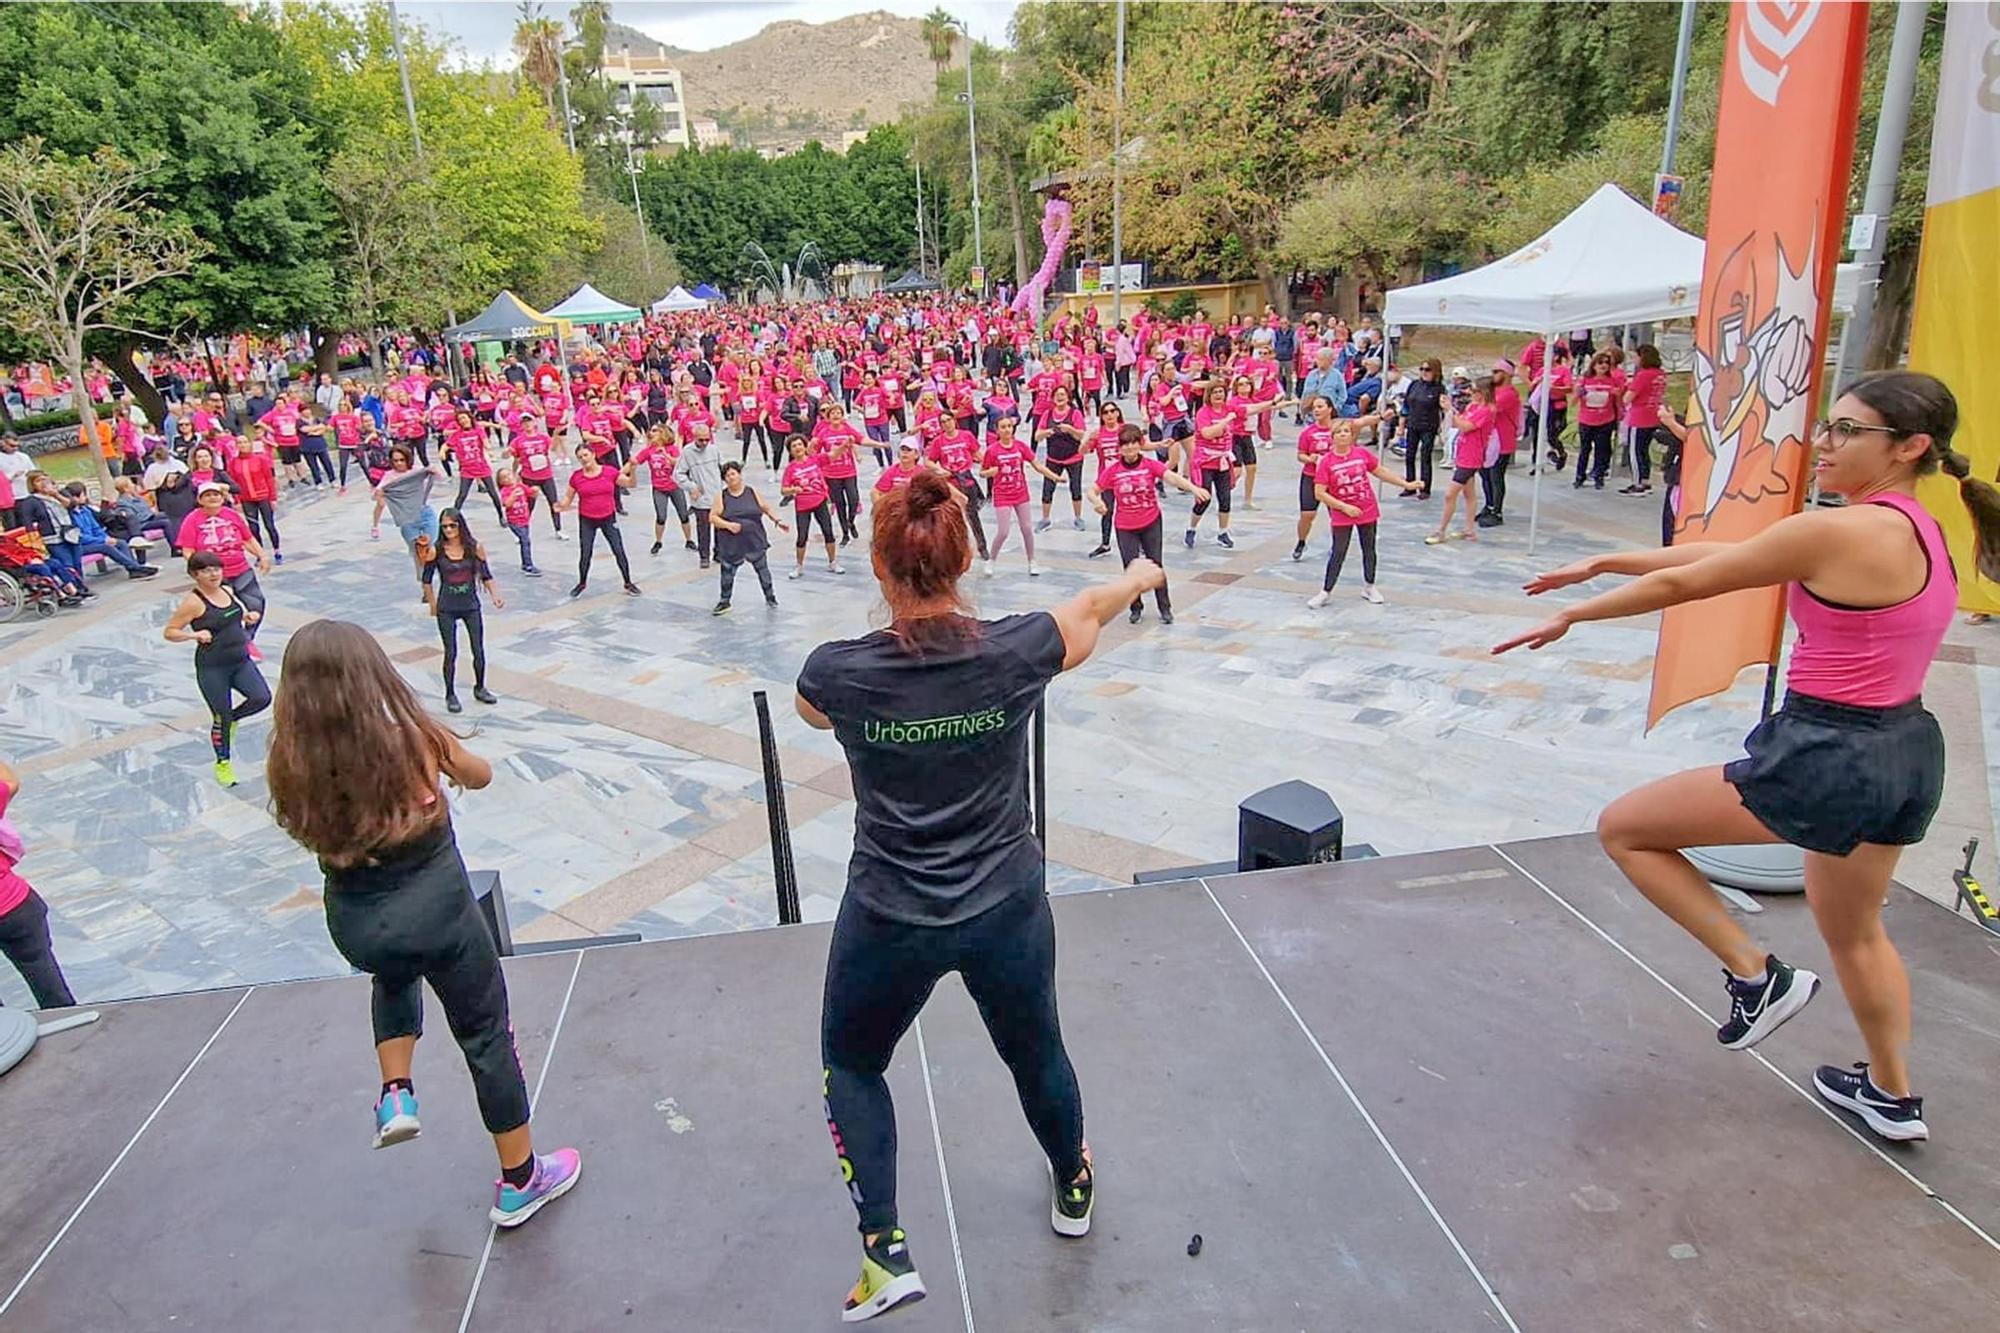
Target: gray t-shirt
[406, 494]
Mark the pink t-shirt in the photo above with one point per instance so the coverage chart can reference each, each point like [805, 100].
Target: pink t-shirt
[515, 502]
[13, 889]
[1010, 480]
[1346, 478]
[956, 452]
[835, 443]
[596, 497]
[659, 460]
[1597, 401]
[1507, 417]
[896, 475]
[1470, 450]
[468, 446]
[1131, 486]
[223, 532]
[1649, 390]
[531, 450]
[804, 475]
[1213, 454]
[1314, 441]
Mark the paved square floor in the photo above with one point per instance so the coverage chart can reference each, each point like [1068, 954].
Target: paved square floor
[628, 794]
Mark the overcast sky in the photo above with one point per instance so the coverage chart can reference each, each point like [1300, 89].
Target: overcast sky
[484, 29]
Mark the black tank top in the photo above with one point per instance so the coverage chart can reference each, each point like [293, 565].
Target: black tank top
[229, 643]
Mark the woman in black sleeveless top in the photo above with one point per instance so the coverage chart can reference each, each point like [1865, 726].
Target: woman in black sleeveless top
[217, 623]
[355, 771]
[738, 520]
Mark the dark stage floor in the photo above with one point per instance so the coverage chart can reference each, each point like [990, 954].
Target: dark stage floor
[1465, 1090]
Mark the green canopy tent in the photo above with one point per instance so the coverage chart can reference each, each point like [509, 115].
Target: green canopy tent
[587, 305]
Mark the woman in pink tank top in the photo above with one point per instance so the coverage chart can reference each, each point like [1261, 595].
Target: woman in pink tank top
[1852, 767]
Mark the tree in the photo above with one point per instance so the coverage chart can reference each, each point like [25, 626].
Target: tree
[538, 49]
[1401, 54]
[80, 241]
[397, 260]
[625, 265]
[940, 36]
[225, 106]
[1384, 220]
[1228, 145]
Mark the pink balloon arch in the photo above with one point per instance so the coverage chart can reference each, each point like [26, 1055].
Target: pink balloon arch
[1055, 240]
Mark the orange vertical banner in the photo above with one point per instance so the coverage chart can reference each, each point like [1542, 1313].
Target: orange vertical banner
[1791, 87]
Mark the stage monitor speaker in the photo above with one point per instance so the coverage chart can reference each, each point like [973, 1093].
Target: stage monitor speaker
[1291, 824]
[493, 906]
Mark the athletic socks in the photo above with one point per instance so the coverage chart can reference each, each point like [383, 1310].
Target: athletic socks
[519, 1176]
[398, 1084]
[1763, 975]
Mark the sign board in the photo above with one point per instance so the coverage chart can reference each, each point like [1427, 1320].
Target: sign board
[1861, 232]
[1096, 277]
[977, 277]
[1666, 195]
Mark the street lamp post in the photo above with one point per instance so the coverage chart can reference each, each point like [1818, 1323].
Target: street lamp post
[417, 142]
[1117, 179]
[972, 141]
[631, 165]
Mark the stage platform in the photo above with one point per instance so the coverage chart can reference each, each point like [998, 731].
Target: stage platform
[1464, 1090]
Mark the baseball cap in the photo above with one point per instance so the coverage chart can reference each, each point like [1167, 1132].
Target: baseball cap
[1459, 373]
[208, 486]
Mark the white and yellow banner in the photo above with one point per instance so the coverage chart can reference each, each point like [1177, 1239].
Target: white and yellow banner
[1958, 272]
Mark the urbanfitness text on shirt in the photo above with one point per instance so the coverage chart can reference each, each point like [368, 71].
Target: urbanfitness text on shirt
[927, 731]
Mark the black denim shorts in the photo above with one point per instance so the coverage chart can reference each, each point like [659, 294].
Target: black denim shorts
[1828, 777]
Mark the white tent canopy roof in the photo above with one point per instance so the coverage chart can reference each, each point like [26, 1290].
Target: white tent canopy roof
[1611, 261]
[680, 298]
[587, 305]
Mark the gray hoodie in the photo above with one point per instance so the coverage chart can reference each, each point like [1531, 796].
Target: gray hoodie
[700, 471]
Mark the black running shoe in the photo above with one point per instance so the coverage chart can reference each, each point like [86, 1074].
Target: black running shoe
[631, 590]
[1756, 1011]
[1069, 1208]
[1898, 1118]
[655, 550]
[1166, 617]
[1134, 615]
[721, 609]
[577, 591]
[1101, 550]
[1298, 550]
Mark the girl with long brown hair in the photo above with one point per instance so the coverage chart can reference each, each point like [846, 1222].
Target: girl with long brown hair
[934, 713]
[354, 768]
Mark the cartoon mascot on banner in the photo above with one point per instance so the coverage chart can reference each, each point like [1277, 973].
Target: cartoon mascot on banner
[1753, 369]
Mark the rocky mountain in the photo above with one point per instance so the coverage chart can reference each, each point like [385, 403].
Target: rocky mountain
[795, 80]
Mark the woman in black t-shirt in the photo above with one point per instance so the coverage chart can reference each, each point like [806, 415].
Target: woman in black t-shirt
[455, 570]
[934, 714]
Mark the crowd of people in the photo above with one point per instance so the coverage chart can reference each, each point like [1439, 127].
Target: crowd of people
[946, 408]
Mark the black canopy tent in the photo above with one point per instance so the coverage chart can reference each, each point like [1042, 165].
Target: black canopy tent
[913, 281]
[508, 318]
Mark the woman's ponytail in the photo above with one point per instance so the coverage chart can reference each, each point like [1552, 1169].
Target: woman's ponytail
[1982, 501]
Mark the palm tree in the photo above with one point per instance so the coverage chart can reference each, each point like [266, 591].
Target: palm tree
[538, 46]
[590, 18]
[940, 35]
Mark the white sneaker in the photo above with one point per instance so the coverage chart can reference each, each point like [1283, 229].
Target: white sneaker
[989, 569]
[1317, 600]
[561, 536]
[1369, 594]
[835, 569]
[795, 572]
[1034, 570]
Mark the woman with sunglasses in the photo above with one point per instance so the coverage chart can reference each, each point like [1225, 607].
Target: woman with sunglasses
[1103, 445]
[1851, 769]
[455, 569]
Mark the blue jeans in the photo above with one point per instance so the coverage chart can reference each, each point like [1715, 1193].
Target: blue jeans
[112, 551]
[426, 524]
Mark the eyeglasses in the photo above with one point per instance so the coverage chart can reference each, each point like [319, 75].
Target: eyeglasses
[1845, 429]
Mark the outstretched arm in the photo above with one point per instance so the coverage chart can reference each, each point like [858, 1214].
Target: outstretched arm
[1793, 550]
[1082, 616]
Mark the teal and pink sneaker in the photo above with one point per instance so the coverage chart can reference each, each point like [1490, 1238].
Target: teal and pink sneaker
[554, 1174]
[396, 1118]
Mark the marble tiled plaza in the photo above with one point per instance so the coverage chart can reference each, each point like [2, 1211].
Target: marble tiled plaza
[628, 792]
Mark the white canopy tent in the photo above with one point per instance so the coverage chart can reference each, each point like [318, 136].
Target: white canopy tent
[1611, 261]
[587, 305]
[680, 298]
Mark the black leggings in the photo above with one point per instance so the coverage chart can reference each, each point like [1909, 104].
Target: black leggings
[1494, 479]
[968, 486]
[1593, 451]
[1642, 453]
[24, 938]
[251, 593]
[819, 514]
[754, 430]
[1135, 542]
[758, 560]
[217, 684]
[1216, 481]
[426, 926]
[1343, 536]
[475, 634]
[846, 493]
[465, 485]
[349, 456]
[880, 972]
[589, 528]
[1417, 451]
[1073, 467]
[258, 513]
[547, 486]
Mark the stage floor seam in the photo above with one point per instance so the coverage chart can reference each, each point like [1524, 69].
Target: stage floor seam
[944, 1178]
[1810, 1099]
[123, 1153]
[1354, 1098]
[534, 1099]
